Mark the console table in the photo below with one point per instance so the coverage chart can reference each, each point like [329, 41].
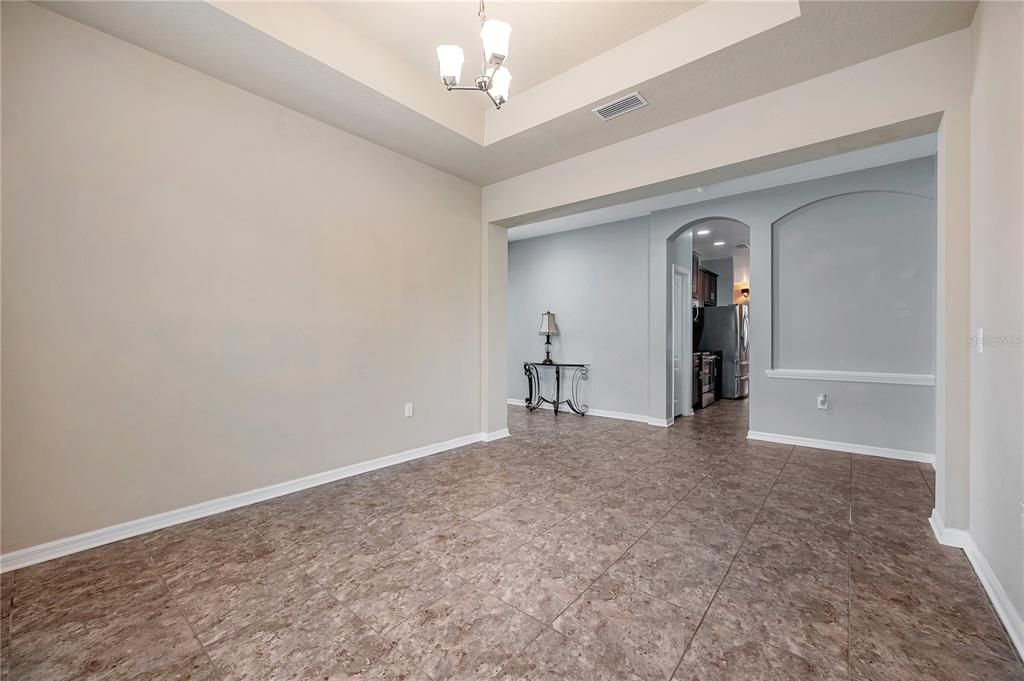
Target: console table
[534, 400]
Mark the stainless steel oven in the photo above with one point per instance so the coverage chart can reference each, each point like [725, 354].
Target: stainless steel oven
[707, 379]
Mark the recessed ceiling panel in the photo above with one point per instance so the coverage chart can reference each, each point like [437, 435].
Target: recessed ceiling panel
[547, 37]
[693, 62]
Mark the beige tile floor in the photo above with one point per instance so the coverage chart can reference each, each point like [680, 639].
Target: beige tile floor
[580, 548]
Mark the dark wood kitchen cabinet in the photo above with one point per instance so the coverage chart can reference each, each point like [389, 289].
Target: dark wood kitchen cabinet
[707, 287]
[703, 283]
[694, 270]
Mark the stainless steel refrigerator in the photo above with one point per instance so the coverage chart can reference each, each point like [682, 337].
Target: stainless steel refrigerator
[726, 330]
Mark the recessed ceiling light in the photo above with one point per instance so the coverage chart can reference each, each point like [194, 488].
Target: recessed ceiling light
[719, 243]
[702, 232]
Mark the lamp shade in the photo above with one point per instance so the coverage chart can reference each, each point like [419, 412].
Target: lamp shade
[449, 59]
[547, 325]
[501, 82]
[495, 35]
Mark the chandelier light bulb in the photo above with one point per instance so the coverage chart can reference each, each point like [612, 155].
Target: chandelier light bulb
[501, 81]
[494, 80]
[495, 36]
[450, 59]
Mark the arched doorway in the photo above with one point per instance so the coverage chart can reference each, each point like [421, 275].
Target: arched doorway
[709, 269]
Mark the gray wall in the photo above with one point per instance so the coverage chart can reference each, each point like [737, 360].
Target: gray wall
[595, 280]
[858, 257]
[891, 416]
[853, 284]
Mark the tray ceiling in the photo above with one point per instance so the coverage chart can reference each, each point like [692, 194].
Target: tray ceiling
[342, 65]
[547, 37]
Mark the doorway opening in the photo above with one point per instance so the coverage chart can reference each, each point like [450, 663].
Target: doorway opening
[709, 262]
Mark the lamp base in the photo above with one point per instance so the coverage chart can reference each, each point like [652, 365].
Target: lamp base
[547, 351]
[547, 360]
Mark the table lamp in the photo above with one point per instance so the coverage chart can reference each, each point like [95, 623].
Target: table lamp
[548, 328]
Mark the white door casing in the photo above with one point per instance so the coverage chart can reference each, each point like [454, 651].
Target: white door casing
[680, 323]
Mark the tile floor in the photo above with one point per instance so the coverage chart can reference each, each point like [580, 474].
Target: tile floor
[580, 548]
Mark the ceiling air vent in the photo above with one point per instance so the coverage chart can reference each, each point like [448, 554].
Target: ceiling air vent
[620, 106]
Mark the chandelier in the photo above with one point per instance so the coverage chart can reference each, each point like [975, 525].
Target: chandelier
[495, 79]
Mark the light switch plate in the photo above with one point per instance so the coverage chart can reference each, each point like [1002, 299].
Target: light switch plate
[822, 401]
[408, 409]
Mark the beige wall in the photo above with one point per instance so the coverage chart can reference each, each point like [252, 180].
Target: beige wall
[997, 291]
[494, 308]
[205, 293]
[927, 78]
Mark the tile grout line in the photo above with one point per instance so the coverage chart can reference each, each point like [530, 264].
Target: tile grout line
[412, 548]
[603, 572]
[849, 583]
[323, 589]
[474, 587]
[927, 484]
[177, 608]
[917, 629]
[594, 580]
[642, 535]
[746, 534]
[545, 626]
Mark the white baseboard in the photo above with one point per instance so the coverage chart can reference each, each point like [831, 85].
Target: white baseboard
[851, 447]
[602, 413]
[1004, 607]
[88, 540]
[947, 536]
[496, 435]
[661, 423]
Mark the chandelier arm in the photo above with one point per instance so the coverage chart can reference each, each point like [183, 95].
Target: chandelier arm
[496, 103]
[475, 88]
[483, 82]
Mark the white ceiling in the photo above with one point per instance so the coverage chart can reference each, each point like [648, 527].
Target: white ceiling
[547, 37]
[871, 157]
[731, 232]
[715, 54]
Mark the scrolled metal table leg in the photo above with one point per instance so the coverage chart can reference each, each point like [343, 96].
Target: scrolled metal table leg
[529, 385]
[534, 400]
[581, 374]
[558, 388]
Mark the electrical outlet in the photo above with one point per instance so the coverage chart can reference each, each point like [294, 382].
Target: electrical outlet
[822, 401]
[408, 409]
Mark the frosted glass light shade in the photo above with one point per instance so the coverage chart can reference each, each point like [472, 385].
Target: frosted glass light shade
[501, 81]
[495, 35]
[449, 59]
